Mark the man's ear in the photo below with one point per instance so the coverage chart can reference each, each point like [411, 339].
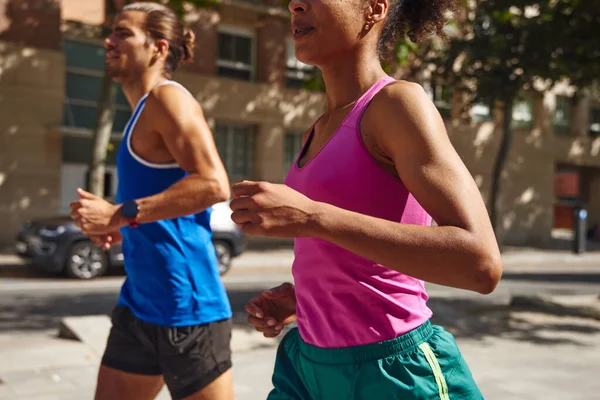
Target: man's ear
[161, 49]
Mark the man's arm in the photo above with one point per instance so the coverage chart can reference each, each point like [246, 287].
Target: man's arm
[180, 121]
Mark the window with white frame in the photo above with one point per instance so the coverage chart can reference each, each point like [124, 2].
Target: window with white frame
[562, 115]
[235, 53]
[292, 149]
[297, 73]
[441, 95]
[75, 175]
[84, 74]
[481, 112]
[595, 121]
[522, 112]
[235, 144]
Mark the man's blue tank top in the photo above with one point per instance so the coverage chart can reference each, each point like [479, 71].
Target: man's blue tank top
[171, 265]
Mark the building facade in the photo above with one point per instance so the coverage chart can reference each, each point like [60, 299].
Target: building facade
[251, 87]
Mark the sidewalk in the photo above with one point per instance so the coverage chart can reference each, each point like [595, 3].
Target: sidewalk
[513, 355]
[517, 259]
[519, 351]
[42, 366]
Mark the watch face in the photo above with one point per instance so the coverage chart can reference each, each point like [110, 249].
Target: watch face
[129, 209]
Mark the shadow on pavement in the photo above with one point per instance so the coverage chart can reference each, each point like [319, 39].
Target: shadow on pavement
[465, 318]
[31, 271]
[552, 277]
[471, 319]
[26, 270]
[42, 312]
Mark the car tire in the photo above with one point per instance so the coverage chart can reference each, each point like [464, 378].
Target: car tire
[86, 261]
[224, 256]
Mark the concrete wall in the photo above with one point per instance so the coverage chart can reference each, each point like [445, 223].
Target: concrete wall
[527, 184]
[593, 199]
[31, 99]
[86, 11]
[271, 49]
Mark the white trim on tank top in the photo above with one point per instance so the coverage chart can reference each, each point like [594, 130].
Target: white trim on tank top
[142, 104]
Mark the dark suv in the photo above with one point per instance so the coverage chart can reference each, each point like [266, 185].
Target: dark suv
[57, 245]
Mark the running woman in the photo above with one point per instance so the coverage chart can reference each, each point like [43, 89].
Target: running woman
[374, 170]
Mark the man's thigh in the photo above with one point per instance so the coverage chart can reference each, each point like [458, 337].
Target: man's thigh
[118, 385]
[196, 361]
[219, 389]
[129, 369]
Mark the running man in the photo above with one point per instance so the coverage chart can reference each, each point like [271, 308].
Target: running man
[172, 322]
[374, 169]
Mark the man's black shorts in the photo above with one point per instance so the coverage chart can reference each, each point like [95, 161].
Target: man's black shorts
[189, 357]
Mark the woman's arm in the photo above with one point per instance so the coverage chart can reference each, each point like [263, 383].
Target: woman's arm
[460, 252]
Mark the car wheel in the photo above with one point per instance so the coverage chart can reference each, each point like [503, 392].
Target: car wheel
[224, 257]
[86, 261]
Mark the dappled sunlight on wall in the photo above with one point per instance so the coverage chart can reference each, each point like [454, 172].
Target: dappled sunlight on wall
[10, 61]
[582, 150]
[304, 106]
[526, 198]
[31, 99]
[477, 145]
[227, 99]
[534, 138]
[32, 23]
[485, 134]
[533, 199]
[577, 149]
[595, 150]
[527, 191]
[273, 137]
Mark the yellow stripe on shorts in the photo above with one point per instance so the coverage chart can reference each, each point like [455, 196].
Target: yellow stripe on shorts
[437, 371]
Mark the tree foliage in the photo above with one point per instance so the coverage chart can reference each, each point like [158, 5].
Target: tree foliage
[503, 47]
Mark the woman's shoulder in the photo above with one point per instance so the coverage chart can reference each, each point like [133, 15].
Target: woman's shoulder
[401, 91]
[401, 102]
[402, 111]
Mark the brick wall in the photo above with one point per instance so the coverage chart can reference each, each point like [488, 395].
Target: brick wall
[204, 24]
[33, 23]
[271, 50]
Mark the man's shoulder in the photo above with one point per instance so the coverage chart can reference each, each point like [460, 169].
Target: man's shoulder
[171, 99]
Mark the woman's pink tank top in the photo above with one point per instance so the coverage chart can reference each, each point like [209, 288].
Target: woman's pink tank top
[343, 299]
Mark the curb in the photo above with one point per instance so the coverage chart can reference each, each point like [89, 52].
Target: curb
[93, 330]
[575, 306]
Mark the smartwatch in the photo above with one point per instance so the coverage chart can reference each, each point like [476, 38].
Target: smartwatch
[129, 211]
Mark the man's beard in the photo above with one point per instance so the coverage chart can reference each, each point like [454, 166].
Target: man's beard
[114, 73]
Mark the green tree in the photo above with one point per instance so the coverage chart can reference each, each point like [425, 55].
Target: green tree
[105, 112]
[507, 46]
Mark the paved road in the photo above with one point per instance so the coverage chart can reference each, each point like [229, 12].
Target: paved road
[44, 299]
[514, 354]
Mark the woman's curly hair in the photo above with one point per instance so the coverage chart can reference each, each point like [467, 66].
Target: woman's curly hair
[416, 19]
